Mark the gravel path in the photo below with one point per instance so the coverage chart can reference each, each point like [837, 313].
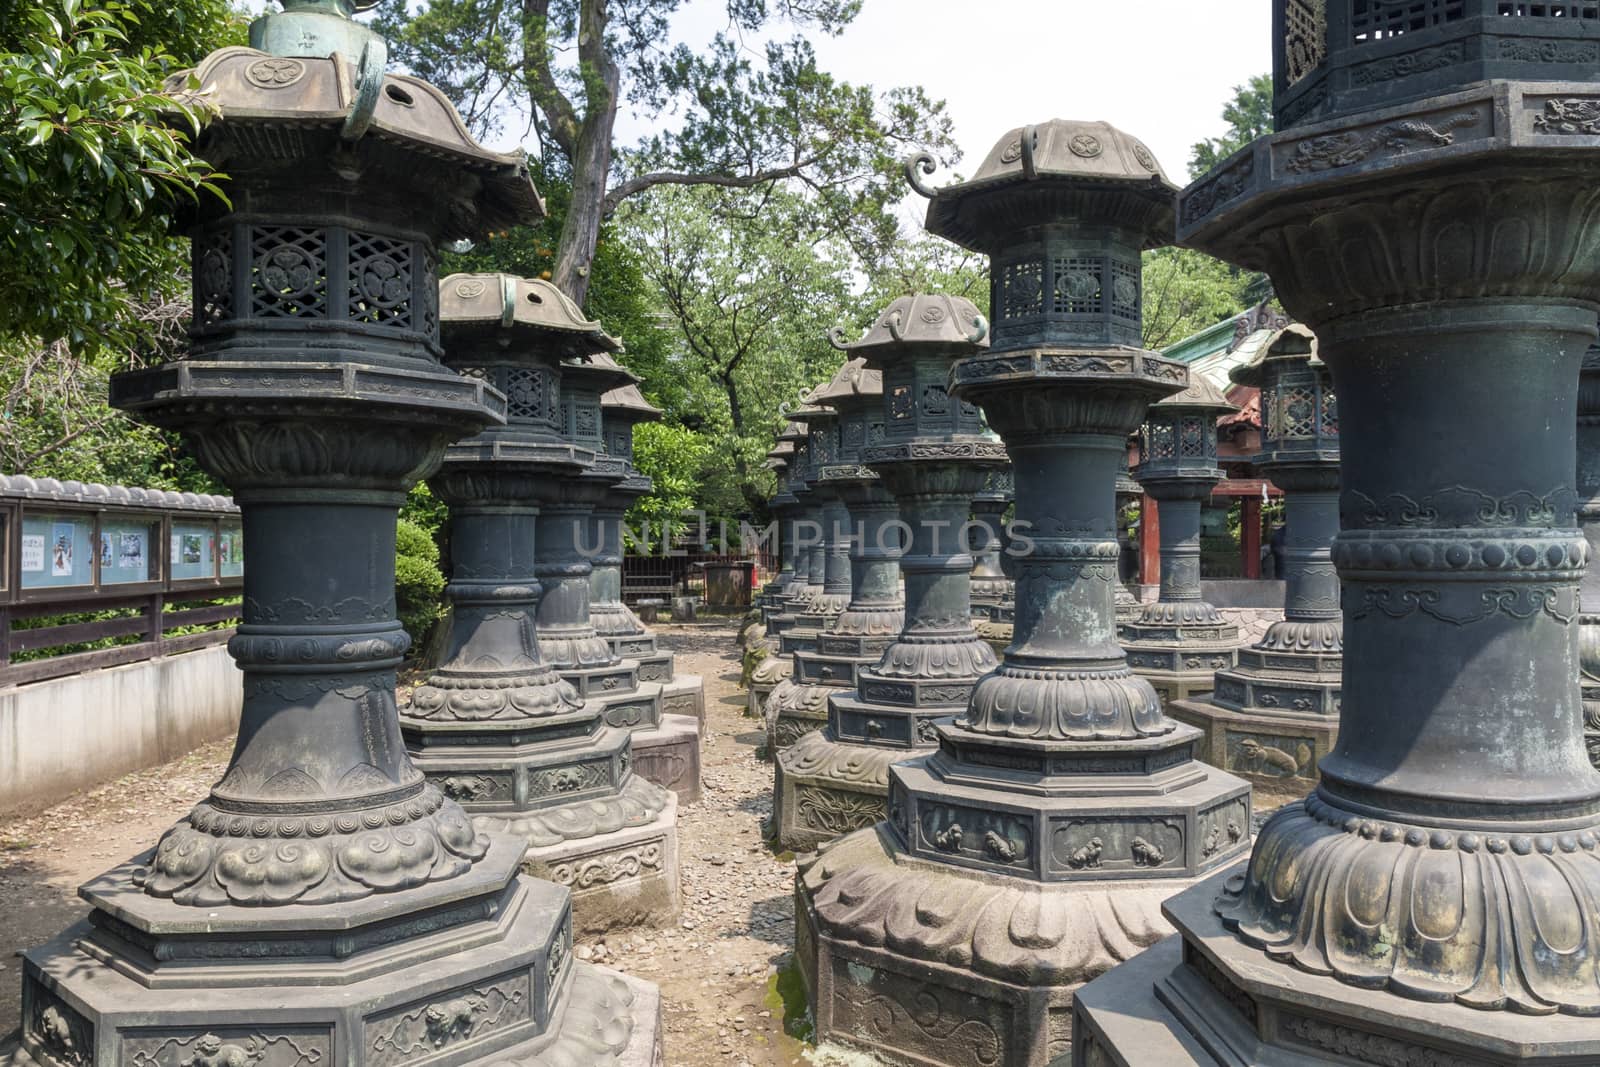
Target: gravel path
[719, 967]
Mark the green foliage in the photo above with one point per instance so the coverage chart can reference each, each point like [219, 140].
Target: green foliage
[1248, 115]
[1185, 291]
[738, 118]
[425, 511]
[753, 287]
[89, 168]
[674, 459]
[418, 582]
[620, 297]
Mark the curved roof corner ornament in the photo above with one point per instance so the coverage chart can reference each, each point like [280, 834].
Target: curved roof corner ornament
[839, 339]
[924, 162]
[369, 80]
[980, 329]
[1030, 144]
[894, 322]
[508, 300]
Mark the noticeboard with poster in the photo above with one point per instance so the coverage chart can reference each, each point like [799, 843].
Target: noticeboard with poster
[128, 550]
[57, 550]
[193, 550]
[230, 549]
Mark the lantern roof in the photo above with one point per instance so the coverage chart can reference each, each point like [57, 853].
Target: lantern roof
[291, 107]
[598, 370]
[629, 399]
[921, 319]
[1028, 159]
[855, 383]
[811, 409]
[1292, 343]
[505, 303]
[792, 432]
[1200, 395]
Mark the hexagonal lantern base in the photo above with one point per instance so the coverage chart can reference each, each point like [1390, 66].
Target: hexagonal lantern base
[1204, 999]
[880, 956]
[684, 694]
[824, 788]
[358, 983]
[955, 932]
[1276, 751]
[792, 711]
[668, 754]
[625, 878]
[767, 676]
[1180, 668]
[795, 637]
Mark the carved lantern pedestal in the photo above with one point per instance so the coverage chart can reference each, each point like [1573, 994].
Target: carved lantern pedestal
[1589, 521]
[794, 701]
[496, 727]
[325, 903]
[620, 410]
[1033, 849]
[934, 458]
[821, 609]
[1434, 901]
[1275, 716]
[875, 615]
[993, 593]
[666, 748]
[792, 507]
[1179, 642]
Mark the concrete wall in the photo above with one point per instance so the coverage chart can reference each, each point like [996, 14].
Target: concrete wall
[60, 736]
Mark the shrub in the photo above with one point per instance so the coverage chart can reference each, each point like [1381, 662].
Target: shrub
[418, 582]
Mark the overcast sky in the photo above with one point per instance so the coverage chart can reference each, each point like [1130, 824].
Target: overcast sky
[1159, 69]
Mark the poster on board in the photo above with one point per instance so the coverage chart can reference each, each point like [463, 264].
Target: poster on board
[191, 549]
[132, 555]
[32, 553]
[61, 550]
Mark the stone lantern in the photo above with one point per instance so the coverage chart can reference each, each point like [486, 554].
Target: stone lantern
[819, 612]
[496, 726]
[1180, 641]
[325, 899]
[1434, 899]
[667, 747]
[783, 504]
[620, 411]
[992, 591]
[935, 456]
[1033, 849]
[1589, 519]
[806, 529]
[876, 613]
[1275, 716]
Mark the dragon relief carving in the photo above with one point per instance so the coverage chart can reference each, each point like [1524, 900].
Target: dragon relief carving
[835, 813]
[1354, 146]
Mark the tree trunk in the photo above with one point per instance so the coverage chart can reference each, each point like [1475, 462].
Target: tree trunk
[736, 422]
[591, 162]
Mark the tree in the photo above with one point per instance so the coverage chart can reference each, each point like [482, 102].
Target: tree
[1185, 291]
[89, 163]
[742, 126]
[93, 281]
[753, 283]
[1248, 115]
[674, 459]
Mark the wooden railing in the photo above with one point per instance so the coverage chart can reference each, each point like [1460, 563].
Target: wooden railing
[93, 576]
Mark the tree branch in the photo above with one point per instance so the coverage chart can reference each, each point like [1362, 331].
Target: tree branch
[635, 186]
[540, 77]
